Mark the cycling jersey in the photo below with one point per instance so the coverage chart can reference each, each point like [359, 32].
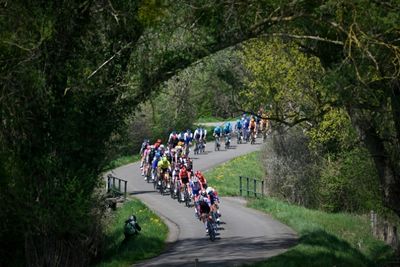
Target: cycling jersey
[196, 187]
[239, 125]
[217, 131]
[184, 176]
[188, 138]
[164, 164]
[252, 125]
[155, 162]
[205, 206]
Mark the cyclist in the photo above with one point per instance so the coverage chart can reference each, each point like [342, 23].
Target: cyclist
[173, 139]
[238, 129]
[203, 135]
[227, 132]
[181, 137]
[142, 149]
[199, 137]
[184, 178]
[204, 206]
[157, 143]
[195, 185]
[214, 200]
[202, 180]
[253, 128]
[217, 134]
[154, 164]
[161, 149]
[188, 137]
[164, 168]
[146, 161]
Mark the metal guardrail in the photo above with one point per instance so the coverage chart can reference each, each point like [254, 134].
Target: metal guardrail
[116, 187]
[254, 189]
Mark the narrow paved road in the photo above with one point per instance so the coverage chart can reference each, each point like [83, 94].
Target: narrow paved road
[245, 236]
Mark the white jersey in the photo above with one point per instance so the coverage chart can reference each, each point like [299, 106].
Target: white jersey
[200, 134]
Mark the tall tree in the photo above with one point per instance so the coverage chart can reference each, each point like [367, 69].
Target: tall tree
[62, 66]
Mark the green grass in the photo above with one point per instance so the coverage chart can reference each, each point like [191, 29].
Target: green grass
[212, 119]
[149, 243]
[325, 239]
[225, 177]
[123, 160]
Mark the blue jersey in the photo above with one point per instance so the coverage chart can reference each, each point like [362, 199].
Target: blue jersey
[227, 128]
[239, 125]
[246, 123]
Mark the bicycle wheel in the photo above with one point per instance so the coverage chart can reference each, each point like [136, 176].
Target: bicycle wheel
[211, 231]
[155, 183]
[187, 198]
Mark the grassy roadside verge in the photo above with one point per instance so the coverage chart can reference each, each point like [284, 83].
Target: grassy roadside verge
[123, 160]
[325, 239]
[149, 243]
[213, 119]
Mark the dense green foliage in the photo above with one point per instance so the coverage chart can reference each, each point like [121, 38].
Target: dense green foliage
[58, 110]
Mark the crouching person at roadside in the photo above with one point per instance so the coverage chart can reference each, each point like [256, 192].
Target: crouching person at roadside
[131, 227]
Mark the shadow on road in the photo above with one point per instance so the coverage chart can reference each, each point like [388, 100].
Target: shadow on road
[229, 251]
[143, 192]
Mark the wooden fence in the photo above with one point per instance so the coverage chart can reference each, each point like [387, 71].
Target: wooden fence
[114, 185]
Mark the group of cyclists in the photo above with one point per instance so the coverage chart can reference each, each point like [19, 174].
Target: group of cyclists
[170, 169]
[246, 129]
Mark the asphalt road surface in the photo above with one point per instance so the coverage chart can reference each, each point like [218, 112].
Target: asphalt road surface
[245, 235]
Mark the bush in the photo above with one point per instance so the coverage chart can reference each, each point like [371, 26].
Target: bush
[290, 167]
[349, 182]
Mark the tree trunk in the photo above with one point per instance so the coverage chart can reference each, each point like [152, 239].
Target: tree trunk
[385, 162]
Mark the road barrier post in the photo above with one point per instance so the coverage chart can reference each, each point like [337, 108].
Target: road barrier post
[255, 188]
[240, 185]
[247, 186]
[125, 189]
[262, 188]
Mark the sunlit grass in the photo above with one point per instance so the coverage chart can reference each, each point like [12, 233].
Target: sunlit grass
[225, 177]
[123, 160]
[149, 243]
[325, 239]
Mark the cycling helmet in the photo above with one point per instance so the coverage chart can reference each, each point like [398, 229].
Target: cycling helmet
[162, 146]
[203, 193]
[209, 189]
